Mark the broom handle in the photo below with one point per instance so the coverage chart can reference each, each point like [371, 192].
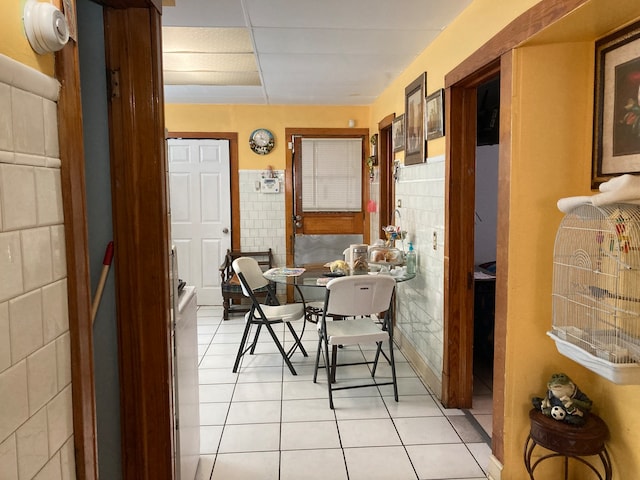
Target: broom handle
[106, 263]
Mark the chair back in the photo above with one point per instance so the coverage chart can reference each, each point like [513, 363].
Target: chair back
[359, 295]
[250, 274]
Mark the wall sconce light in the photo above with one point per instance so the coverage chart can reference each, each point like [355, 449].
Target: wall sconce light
[46, 27]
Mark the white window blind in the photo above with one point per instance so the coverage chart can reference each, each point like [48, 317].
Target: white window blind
[331, 174]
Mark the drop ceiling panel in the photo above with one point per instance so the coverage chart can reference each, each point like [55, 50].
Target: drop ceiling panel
[363, 14]
[338, 52]
[211, 78]
[212, 62]
[301, 40]
[204, 13]
[200, 39]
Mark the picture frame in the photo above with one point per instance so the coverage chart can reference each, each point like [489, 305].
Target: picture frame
[374, 149]
[616, 119]
[397, 133]
[434, 113]
[415, 145]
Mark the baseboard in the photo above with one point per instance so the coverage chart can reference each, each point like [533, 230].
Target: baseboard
[494, 469]
[423, 370]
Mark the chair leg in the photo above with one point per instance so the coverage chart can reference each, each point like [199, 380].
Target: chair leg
[241, 352]
[298, 342]
[393, 368]
[375, 360]
[280, 349]
[255, 339]
[315, 370]
[328, 368]
[225, 305]
[334, 362]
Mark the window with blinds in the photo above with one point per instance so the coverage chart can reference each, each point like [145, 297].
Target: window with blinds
[331, 174]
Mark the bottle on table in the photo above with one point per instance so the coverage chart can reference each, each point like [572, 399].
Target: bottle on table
[410, 260]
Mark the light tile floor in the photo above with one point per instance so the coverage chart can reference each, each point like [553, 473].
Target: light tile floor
[265, 423]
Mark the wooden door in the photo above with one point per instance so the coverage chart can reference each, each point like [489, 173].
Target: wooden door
[332, 227]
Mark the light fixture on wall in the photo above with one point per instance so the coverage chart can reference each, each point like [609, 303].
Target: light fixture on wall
[46, 27]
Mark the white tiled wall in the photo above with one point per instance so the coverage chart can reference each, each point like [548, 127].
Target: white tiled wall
[262, 216]
[36, 428]
[420, 306]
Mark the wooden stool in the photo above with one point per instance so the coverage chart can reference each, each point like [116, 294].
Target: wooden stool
[568, 441]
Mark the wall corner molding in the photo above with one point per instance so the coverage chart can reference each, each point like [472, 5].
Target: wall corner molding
[26, 78]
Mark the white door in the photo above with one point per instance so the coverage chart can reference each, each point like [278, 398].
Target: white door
[200, 194]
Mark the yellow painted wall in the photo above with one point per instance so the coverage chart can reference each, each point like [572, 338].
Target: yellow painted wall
[243, 119]
[551, 158]
[13, 41]
[474, 27]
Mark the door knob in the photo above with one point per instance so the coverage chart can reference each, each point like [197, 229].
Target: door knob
[225, 230]
[298, 224]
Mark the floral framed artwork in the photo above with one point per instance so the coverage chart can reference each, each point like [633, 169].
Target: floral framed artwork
[415, 145]
[616, 127]
[434, 112]
[397, 133]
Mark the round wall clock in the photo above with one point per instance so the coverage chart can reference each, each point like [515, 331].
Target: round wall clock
[261, 141]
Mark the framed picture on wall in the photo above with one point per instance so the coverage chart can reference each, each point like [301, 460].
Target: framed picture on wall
[397, 133]
[415, 145]
[434, 112]
[616, 126]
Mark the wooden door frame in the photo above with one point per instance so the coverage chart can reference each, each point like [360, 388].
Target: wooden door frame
[460, 117]
[288, 176]
[385, 171]
[234, 174]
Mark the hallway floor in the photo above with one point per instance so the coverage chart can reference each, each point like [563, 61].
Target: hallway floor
[265, 423]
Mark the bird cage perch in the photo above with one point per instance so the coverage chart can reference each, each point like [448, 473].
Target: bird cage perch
[596, 290]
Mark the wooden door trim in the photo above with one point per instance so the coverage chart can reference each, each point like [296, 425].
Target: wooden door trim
[72, 173]
[233, 171]
[456, 388]
[385, 161]
[141, 239]
[289, 133]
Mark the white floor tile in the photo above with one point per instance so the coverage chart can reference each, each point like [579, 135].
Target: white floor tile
[306, 410]
[247, 466]
[210, 439]
[248, 392]
[406, 386]
[208, 376]
[309, 435]
[354, 408]
[368, 433]
[304, 390]
[378, 463]
[205, 467]
[230, 349]
[213, 413]
[250, 438]
[412, 406]
[443, 461]
[254, 412]
[279, 426]
[426, 430]
[312, 465]
[216, 393]
[261, 374]
[262, 360]
[217, 361]
[481, 452]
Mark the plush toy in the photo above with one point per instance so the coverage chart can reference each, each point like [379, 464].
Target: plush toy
[564, 401]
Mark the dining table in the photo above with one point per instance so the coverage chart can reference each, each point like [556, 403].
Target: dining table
[317, 276]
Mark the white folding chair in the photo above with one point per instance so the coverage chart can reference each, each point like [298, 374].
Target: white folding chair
[265, 314]
[356, 299]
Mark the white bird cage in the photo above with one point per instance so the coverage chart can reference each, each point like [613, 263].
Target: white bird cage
[596, 290]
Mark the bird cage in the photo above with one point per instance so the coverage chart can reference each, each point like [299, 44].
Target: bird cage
[596, 290]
